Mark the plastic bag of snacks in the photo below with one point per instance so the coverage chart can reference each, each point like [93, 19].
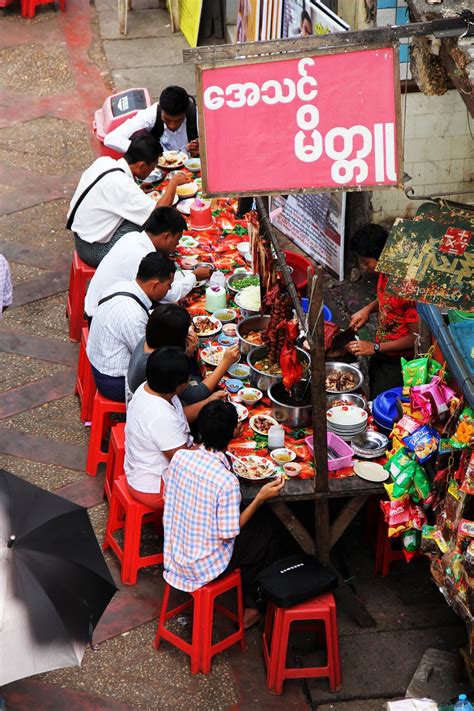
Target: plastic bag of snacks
[464, 435]
[410, 543]
[405, 426]
[399, 460]
[414, 372]
[423, 442]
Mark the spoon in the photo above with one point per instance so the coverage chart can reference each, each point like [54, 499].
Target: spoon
[229, 454]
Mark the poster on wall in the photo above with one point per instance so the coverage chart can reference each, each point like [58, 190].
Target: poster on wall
[190, 19]
[248, 20]
[315, 223]
[302, 18]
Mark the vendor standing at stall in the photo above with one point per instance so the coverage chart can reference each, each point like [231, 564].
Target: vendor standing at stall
[397, 318]
[172, 121]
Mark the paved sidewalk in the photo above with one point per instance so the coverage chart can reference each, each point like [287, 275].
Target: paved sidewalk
[54, 72]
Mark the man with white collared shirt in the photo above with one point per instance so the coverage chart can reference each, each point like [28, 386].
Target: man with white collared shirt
[162, 231]
[120, 321]
[108, 203]
[172, 121]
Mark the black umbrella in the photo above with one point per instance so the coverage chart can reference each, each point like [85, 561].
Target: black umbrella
[54, 582]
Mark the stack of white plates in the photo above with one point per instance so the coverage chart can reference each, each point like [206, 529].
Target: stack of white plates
[370, 444]
[347, 421]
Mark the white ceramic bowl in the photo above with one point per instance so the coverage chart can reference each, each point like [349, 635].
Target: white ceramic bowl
[243, 248]
[239, 370]
[282, 455]
[346, 416]
[193, 165]
[244, 396]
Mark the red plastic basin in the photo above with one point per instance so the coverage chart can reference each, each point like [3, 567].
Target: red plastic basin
[300, 266]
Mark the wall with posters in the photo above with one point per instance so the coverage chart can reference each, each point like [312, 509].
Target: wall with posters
[315, 223]
[302, 18]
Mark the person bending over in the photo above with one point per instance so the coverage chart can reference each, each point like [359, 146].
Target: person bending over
[156, 426]
[162, 231]
[172, 121]
[205, 532]
[170, 325]
[397, 318]
[120, 321]
[108, 203]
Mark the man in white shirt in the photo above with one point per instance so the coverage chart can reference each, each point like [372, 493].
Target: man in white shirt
[108, 203]
[172, 121]
[162, 231]
[120, 321]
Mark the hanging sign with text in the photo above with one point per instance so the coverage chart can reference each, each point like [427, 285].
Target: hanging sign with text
[311, 123]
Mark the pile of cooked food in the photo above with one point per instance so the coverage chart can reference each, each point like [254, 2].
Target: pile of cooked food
[339, 380]
[255, 338]
[262, 423]
[265, 366]
[204, 326]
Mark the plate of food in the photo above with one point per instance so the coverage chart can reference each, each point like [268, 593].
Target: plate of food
[261, 424]
[206, 326]
[242, 412]
[212, 355]
[254, 468]
[172, 159]
[158, 194]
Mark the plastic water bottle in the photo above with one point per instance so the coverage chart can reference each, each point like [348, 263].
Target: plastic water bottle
[276, 437]
[462, 704]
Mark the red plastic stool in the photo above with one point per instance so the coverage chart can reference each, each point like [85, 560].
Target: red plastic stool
[275, 642]
[28, 7]
[85, 383]
[129, 514]
[114, 467]
[101, 424]
[201, 650]
[79, 277]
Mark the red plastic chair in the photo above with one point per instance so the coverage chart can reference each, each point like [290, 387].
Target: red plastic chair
[80, 276]
[101, 424]
[129, 514]
[85, 383]
[276, 635]
[116, 458]
[28, 7]
[201, 650]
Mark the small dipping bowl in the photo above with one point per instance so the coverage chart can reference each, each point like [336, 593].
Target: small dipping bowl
[292, 468]
[193, 165]
[282, 455]
[250, 396]
[243, 248]
[239, 370]
[233, 385]
[226, 341]
[225, 315]
[230, 329]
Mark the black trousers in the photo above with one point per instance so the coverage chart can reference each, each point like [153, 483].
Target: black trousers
[255, 547]
[385, 372]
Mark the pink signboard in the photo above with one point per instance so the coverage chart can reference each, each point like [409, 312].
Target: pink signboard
[318, 122]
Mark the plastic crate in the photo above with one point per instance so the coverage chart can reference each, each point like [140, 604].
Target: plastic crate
[339, 446]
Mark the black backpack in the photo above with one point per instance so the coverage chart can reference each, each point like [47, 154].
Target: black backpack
[292, 580]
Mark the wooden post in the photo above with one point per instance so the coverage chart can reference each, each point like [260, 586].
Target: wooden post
[318, 398]
[174, 15]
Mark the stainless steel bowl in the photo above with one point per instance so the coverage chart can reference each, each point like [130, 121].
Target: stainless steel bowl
[371, 442]
[356, 400]
[246, 313]
[286, 413]
[254, 323]
[261, 380]
[236, 277]
[345, 368]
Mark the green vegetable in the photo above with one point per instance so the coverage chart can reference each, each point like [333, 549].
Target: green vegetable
[240, 284]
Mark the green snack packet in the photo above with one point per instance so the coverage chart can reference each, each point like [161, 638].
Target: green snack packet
[414, 372]
[397, 461]
[433, 368]
[421, 482]
[411, 541]
[403, 480]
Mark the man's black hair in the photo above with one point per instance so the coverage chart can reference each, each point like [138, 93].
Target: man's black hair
[174, 100]
[216, 424]
[155, 265]
[166, 369]
[369, 241]
[143, 147]
[165, 219]
[168, 325]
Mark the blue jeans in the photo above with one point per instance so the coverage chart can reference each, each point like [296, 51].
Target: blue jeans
[110, 386]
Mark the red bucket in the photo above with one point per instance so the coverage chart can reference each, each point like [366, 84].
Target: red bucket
[300, 265]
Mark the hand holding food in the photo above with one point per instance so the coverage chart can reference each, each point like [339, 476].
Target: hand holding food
[218, 395]
[179, 178]
[232, 355]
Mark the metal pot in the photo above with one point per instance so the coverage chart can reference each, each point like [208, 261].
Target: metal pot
[261, 380]
[356, 400]
[236, 277]
[254, 323]
[293, 415]
[345, 368]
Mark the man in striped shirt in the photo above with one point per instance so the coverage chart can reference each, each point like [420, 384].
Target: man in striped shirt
[205, 533]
